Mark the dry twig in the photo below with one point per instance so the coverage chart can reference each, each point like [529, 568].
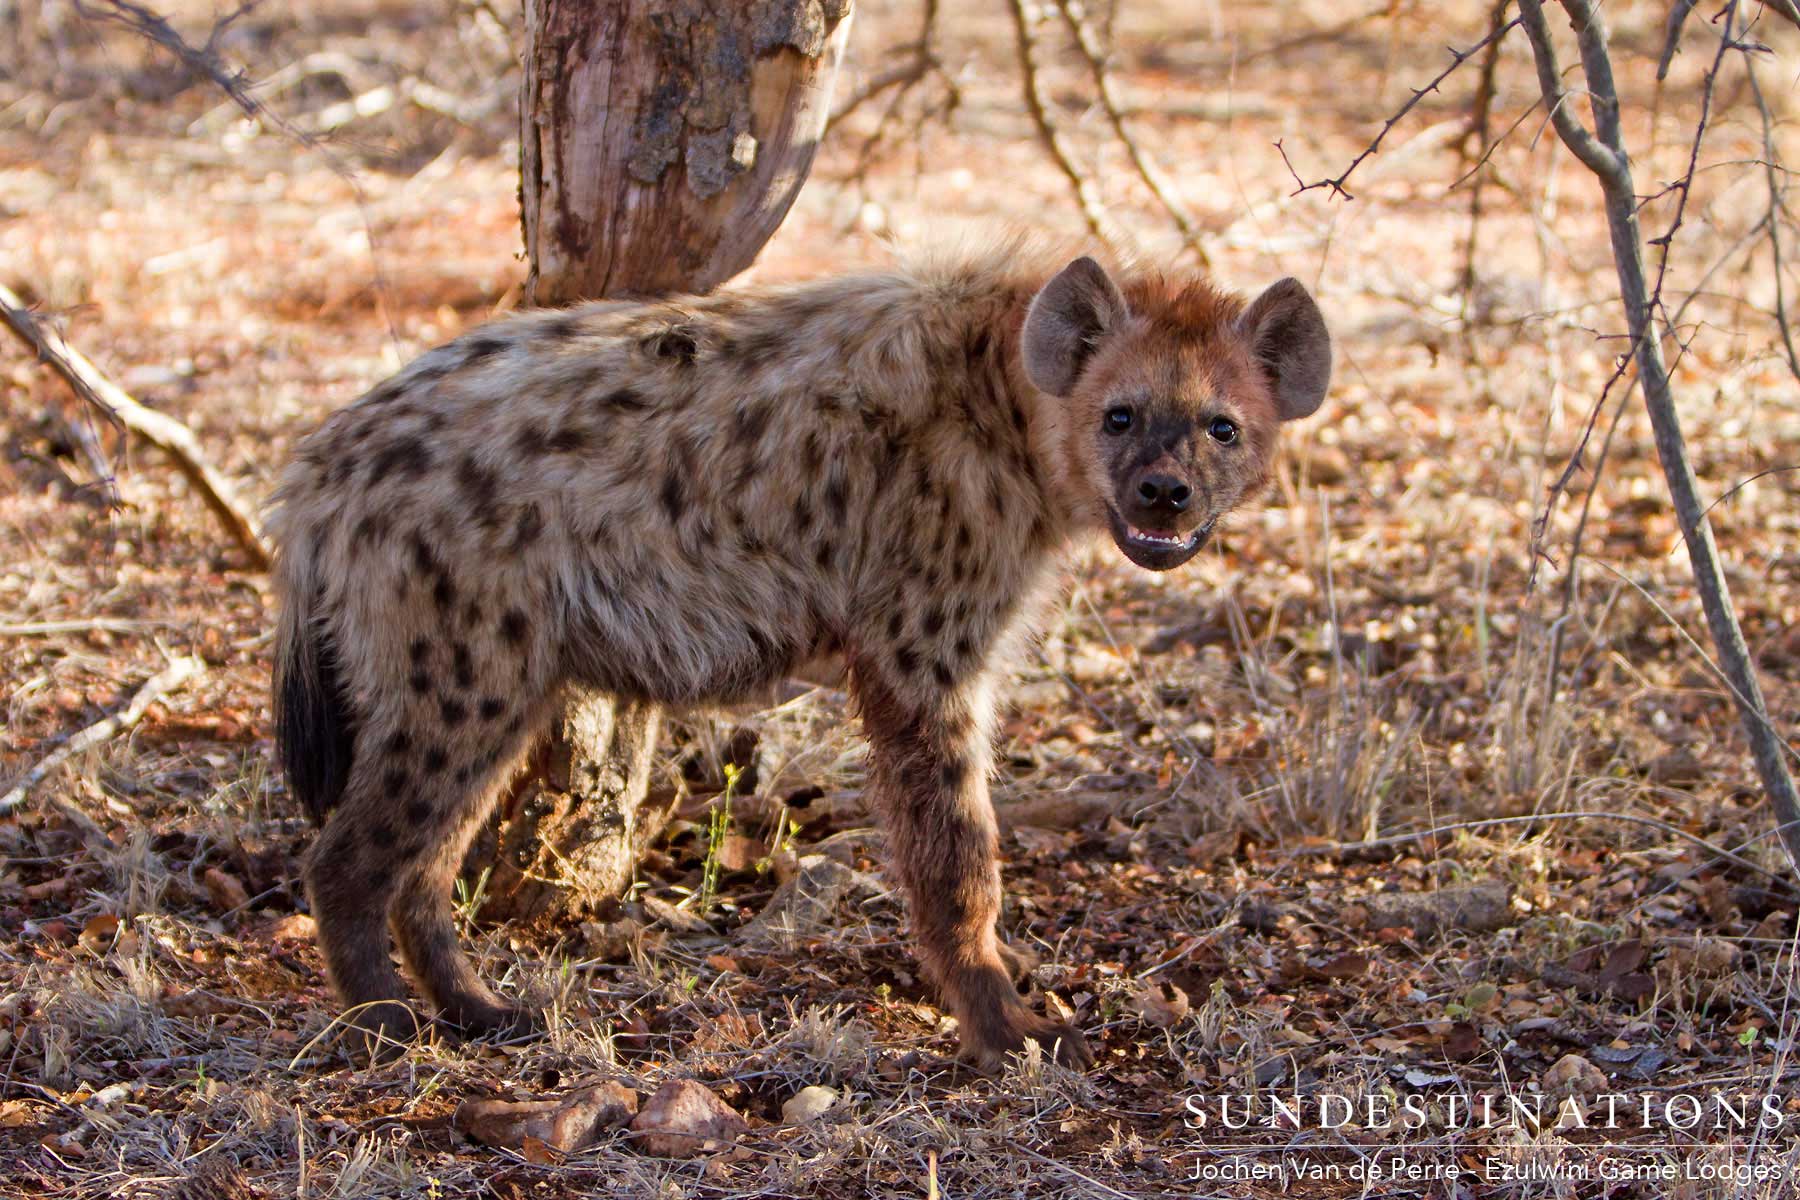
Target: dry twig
[159, 429]
[1147, 170]
[171, 677]
[922, 64]
[1087, 195]
[1602, 150]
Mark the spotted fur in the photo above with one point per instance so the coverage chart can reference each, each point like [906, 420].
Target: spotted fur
[679, 501]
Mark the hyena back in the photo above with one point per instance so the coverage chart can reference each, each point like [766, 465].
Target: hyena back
[678, 501]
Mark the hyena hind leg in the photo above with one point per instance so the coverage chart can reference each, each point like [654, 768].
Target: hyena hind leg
[423, 921]
[350, 883]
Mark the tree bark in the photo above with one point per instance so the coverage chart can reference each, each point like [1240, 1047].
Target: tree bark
[661, 144]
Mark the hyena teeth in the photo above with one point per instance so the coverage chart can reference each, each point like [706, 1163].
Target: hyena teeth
[681, 501]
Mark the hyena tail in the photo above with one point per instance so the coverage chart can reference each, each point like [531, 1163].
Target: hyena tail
[315, 728]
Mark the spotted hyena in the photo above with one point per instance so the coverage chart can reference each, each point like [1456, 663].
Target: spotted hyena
[677, 501]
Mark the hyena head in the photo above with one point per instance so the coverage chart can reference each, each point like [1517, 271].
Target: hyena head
[1171, 394]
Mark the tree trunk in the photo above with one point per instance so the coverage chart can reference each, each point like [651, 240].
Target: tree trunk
[661, 144]
[662, 141]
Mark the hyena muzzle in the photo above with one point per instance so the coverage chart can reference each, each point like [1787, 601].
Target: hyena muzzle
[678, 501]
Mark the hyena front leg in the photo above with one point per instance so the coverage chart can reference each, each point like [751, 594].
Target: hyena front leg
[929, 766]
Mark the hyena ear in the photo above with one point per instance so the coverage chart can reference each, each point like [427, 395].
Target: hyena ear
[1067, 319]
[1288, 338]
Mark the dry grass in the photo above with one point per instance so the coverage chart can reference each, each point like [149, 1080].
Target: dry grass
[1362, 658]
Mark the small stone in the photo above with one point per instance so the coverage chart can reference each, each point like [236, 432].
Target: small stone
[225, 890]
[1703, 956]
[610, 941]
[684, 1119]
[1678, 768]
[804, 903]
[678, 919]
[808, 1105]
[1573, 1077]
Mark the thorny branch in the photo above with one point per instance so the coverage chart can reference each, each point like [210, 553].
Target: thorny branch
[1480, 120]
[1337, 184]
[203, 62]
[1602, 149]
[1772, 219]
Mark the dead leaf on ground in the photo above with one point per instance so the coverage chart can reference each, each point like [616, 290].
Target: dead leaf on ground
[1161, 1005]
[98, 934]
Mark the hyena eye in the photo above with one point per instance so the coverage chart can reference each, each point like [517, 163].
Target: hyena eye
[1224, 431]
[1118, 420]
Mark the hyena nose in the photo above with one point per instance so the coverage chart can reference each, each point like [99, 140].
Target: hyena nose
[1164, 493]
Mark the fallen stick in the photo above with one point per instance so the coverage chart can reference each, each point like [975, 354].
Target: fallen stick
[85, 625]
[178, 672]
[159, 429]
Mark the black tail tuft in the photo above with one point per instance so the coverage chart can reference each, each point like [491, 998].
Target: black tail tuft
[315, 729]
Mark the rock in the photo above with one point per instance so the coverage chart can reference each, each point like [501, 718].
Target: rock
[1054, 810]
[683, 1119]
[808, 1105]
[1478, 908]
[295, 927]
[1707, 957]
[225, 890]
[678, 919]
[610, 941]
[806, 902]
[1573, 1078]
[1678, 768]
[570, 1123]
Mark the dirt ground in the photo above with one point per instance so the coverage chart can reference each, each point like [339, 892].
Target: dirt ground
[1218, 787]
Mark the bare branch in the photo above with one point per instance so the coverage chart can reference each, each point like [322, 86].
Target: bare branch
[1603, 151]
[205, 63]
[1086, 194]
[1785, 9]
[1772, 219]
[922, 63]
[1457, 59]
[1147, 170]
[159, 429]
[1581, 142]
[1678, 15]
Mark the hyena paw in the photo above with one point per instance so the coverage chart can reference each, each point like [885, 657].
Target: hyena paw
[987, 1043]
[497, 1023]
[383, 1031]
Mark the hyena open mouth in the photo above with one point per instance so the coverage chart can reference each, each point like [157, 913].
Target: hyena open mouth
[1156, 551]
